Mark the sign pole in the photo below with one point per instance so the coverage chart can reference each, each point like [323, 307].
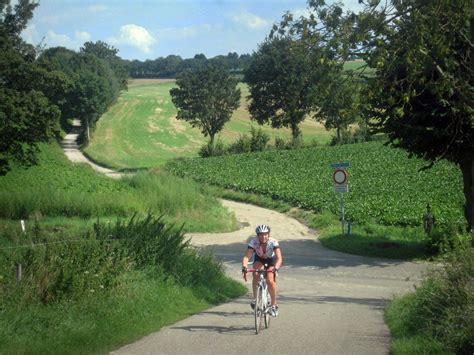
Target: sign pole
[342, 213]
[340, 178]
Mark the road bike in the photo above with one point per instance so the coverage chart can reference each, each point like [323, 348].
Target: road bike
[263, 304]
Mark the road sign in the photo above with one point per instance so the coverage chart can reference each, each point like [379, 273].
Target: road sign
[341, 188]
[340, 177]
[340, 165]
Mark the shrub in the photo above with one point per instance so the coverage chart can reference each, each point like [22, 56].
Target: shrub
[54, 270]
[161, 249]
[280, 143]
[447, 239]
[442, 307]
[258, 140]
[210, 150]
[241, 145]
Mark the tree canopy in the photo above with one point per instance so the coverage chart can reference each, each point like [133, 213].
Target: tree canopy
[206, 98]
[421, 93]
[279, 79]
[28, 92]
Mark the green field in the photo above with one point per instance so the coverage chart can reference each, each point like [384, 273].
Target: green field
[385, 186]
[141, 129]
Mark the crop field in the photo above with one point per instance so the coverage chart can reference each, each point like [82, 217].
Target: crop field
[385, 186]
[141, 129]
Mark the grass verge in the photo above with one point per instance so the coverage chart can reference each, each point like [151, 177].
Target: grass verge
[438, 318]
[100, 323]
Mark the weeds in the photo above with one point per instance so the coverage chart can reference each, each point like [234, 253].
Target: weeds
[440, 311]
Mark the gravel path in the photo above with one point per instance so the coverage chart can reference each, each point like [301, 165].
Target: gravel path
[74, 154]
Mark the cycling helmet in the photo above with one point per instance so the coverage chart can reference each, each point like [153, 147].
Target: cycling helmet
[262, 228]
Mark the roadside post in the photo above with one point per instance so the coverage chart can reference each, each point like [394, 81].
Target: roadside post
[340, 177]
[19, 269]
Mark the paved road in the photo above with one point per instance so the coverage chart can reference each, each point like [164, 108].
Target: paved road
[330, 302]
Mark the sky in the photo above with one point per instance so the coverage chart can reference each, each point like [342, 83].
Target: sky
[148, 29]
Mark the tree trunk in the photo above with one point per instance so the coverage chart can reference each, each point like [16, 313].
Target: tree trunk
[467, 168]
[211, 140]
[295, 131]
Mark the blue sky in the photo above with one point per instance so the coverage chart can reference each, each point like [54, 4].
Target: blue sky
[148, 29]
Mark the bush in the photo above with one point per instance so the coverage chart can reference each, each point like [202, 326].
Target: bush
[211, 150]
[55, 270]
[447, 239]
[242, 145]
[442, 308]
[293, 143]
[161, 249]
[258, 140]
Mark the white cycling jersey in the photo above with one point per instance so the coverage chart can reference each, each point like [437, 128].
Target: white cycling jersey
[269, 252]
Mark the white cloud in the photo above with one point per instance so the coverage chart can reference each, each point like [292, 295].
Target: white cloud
[250, 20]
[135, 36]
[82, 36]
[30, 34]
[54, 39]
[97, 8]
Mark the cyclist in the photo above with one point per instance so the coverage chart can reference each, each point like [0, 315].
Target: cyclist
[267, 252]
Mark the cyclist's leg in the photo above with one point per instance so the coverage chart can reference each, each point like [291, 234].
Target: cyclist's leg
[271, 282]
[256, 265]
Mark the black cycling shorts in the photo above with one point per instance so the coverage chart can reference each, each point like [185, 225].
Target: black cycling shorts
[268, 261]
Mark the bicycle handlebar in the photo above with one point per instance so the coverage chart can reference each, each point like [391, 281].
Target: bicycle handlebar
[260, 271]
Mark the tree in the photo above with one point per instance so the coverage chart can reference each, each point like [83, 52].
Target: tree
[27, 116]
[279, 79]
[422, 95]
[206, 99]
[108, 53]
[337, 108]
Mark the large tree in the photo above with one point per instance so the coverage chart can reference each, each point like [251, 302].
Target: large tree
[206, 98]
[28, 92]
[337, 103]
[422, 95]
[279, 79]
[109, 53]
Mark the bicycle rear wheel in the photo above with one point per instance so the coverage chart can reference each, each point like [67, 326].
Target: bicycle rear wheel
[259, 310]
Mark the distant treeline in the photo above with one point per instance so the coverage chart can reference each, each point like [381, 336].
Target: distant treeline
[173, 65]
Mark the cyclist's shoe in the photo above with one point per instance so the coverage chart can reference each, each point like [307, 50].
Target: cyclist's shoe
[252, 304]
[274, 311]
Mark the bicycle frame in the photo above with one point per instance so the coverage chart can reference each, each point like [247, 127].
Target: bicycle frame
[262, 299]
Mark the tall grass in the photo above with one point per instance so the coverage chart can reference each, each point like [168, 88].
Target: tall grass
[95, 292]
[57, 188]
[439, 316]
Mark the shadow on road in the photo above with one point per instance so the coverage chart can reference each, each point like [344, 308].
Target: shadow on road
[218, 329]
[377, 303]
[305, 253]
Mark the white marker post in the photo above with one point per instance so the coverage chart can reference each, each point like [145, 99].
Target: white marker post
[340, 177]
[19, 269]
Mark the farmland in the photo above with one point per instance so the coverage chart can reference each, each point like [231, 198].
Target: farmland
[385, 186]
[141, 129]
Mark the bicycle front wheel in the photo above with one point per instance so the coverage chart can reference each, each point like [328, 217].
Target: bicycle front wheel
[267, 309]
[259, 310]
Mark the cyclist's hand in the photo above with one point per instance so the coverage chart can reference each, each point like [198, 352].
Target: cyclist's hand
[244, 270]
[275, 271]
